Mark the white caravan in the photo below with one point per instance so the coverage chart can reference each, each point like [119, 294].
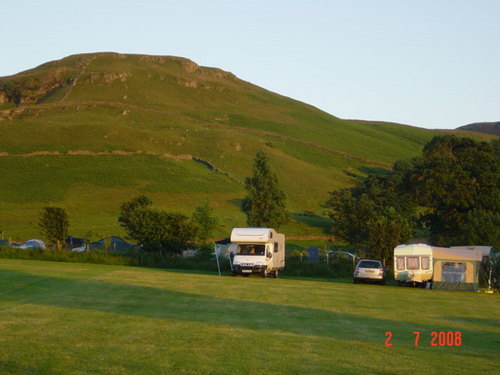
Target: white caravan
[413, 264]
[455, 268]
[258, 250]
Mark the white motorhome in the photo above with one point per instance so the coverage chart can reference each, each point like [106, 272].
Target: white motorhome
[258, 250]
[413, 264]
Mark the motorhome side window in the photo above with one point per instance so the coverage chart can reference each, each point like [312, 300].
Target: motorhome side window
[251, 249]
[412, 263]
[425, 263]
[275, 247]
[400, 263]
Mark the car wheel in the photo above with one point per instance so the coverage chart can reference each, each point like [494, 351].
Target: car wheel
[355, 281]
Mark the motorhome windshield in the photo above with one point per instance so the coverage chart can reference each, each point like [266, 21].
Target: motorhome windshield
[251, 249]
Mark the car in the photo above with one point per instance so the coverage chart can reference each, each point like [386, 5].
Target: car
[33, 244]
[369, 270]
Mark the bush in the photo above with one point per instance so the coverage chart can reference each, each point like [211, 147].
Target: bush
[132, 258]
[201, 261]
[95, 256]
[338, 269]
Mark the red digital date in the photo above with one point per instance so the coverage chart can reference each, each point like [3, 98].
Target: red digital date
[437, 338]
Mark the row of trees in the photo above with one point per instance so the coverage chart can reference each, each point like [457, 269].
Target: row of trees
[451, 193]
[154, 229]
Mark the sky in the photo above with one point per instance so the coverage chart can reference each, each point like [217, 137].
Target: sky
[427, 63]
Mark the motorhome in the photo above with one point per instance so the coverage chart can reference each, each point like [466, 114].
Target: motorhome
[258, 250]
[455, 268]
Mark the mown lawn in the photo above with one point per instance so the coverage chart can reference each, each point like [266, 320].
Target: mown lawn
[58, 318]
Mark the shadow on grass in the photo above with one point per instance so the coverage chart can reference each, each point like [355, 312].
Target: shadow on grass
[375, 171]
[22, 288]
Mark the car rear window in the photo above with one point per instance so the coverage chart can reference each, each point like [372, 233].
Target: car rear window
[369, 264]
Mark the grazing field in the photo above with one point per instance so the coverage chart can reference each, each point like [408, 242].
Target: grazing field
[58, 318]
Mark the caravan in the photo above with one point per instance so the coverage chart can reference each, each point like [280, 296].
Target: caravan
[447, 268]
[258, 250]
[413, 264]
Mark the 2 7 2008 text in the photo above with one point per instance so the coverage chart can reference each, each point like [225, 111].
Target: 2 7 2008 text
[436, 338]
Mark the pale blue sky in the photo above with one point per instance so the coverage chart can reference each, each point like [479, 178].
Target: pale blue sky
[428, 63]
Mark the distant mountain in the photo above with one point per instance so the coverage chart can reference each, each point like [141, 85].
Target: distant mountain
[90, 131]
[483, 127]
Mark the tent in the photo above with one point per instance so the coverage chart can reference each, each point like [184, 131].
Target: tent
[456, 268]
[113, 244]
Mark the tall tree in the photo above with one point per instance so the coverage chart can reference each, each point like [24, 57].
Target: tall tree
[53, 225]
[204, 221]
[265, 202]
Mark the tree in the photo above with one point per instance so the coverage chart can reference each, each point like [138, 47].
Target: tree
[204, 222]
[53, 225]
[155, 230]
[456, 178]
[455, 187]
[387, 229]
[128, 218]
[366, 221]
[481, 227]
[265, 202]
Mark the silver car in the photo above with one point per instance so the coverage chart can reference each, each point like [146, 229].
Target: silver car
[369, 270]
[33, 244]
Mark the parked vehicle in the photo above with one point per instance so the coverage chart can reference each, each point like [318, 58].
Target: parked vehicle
[413, 264]
[455, 268]
[258, 250]
[33, 244]
[369, 270]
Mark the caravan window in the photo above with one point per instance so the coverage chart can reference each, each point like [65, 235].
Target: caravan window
[250, 249]
[400, 263]
[453, 272]
[426, 265]
[412, 263]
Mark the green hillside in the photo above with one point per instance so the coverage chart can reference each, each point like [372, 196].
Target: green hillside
[90, 131]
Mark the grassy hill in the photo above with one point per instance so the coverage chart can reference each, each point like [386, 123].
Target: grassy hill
[81, 318]
[90, 131]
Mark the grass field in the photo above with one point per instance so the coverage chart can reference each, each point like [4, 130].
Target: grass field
[58, 318]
